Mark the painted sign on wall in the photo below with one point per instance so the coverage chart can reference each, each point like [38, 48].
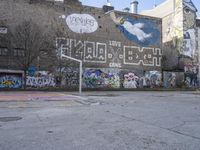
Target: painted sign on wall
[82, 23]
[112, 54]
[10, 81]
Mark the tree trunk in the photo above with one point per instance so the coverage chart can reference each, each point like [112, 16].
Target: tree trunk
[25, 79]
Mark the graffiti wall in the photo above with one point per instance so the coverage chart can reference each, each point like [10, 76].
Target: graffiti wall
[69, 77]
[169, 80]
[191, 75]
[11, 81]
[112, 54]
[138, 79]
[173, 79]
[41, 79]
[101, 78]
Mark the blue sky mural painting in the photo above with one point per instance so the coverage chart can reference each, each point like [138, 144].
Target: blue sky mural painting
[141, 31]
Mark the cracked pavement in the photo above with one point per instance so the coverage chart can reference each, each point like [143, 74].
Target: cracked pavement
[103, 121]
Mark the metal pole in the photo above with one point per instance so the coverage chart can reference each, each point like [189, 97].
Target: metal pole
[81, 69]
[80, 78]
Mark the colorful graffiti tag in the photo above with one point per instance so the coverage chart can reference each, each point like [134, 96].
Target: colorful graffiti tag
[141, 31]
[96, 78]
[41, 79]
[10, 81]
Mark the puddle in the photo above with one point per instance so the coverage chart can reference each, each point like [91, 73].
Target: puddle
[8, 119]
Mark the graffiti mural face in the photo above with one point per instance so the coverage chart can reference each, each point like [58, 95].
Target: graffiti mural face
[130, 81]
[141, 31]
[10, 81]
[82, 23]
[96, 78]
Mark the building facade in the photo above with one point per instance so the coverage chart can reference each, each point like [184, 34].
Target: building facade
[118, 49]
[180, 39]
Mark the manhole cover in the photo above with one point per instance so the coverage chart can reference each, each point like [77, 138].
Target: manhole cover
[7, 119]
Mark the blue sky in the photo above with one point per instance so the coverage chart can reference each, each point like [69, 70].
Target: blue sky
[120, 4]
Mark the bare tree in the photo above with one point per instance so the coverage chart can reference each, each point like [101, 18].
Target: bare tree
[33, 41]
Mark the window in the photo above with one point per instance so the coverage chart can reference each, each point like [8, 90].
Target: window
[18, 52]
[3, 51]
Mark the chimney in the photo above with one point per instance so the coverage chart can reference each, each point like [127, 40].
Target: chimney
[134, 6]
[108, 3]
[108, 7]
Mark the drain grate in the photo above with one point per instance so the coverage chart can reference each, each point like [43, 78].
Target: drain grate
[8, 119]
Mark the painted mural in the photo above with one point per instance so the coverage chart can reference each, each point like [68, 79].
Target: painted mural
[191, 75]
[82, 23]
[41, 79]
[141, 31]
[150, 79]
[169, 80]
[10, 81]
[111, 53]
[98, 78]
[189, 25]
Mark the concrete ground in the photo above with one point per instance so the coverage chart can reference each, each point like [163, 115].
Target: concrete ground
[100, 121]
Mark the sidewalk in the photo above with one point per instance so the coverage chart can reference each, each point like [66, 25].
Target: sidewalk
[35, 95]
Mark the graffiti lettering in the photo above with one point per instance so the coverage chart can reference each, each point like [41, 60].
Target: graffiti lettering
[112, 53]
[145, 56]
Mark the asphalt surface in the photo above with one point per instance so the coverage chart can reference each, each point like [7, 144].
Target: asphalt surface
[100, 121]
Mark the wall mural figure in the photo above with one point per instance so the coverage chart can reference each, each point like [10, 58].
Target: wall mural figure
[131, 81]
[142, 31]
[189, 21]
